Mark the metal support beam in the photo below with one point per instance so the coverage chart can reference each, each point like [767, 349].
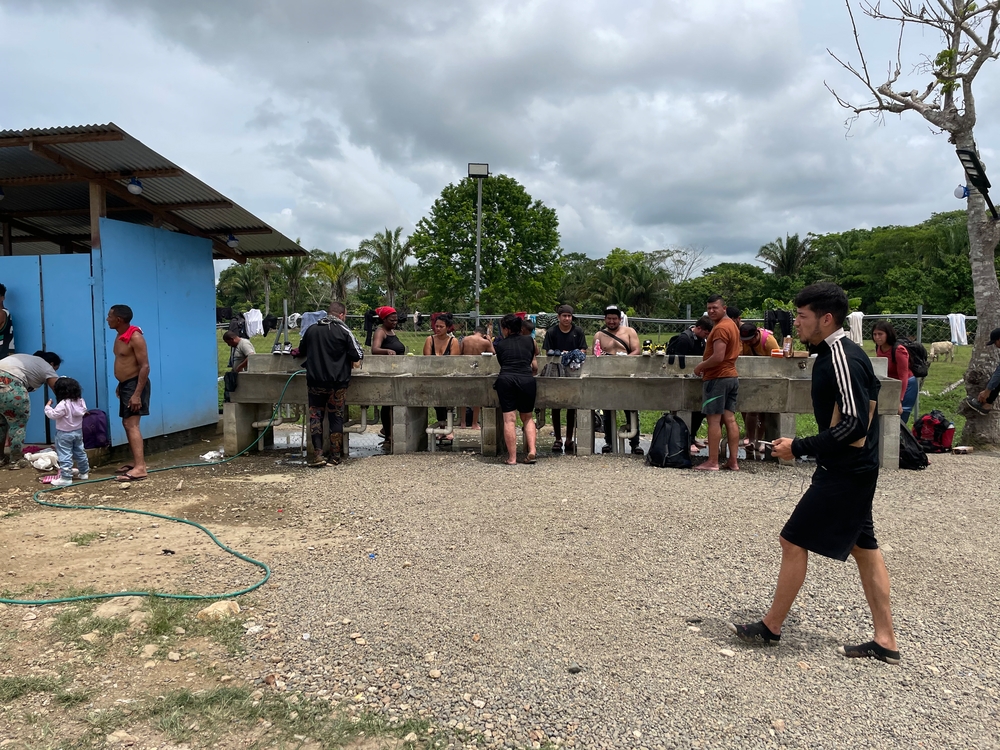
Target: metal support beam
[42, 212]
[60, 138]
[98, 211]
[47, 179]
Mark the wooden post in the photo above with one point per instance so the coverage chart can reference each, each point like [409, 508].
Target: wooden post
[8, 243]
[98, 210]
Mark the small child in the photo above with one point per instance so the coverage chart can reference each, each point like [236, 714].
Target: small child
[68, 414]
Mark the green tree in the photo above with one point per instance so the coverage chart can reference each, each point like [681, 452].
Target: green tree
[385, 257]
[338, 270]
[742, 284]
[520, 268]
[246, 282]
[292, 271]
[786, 257]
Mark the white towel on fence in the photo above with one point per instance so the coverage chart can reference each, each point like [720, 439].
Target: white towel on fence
[255, 322]
[856, 334]
[958, 334]
[293, 320]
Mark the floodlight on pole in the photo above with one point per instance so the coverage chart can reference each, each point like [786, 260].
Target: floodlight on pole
[976, 173]
[478, 172]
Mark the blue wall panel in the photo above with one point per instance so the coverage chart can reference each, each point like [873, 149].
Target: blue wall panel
[20, 274]
[67, 310]
[168, 281]
[189, 351]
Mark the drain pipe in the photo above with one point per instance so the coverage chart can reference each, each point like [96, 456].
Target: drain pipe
[433, 432]
[359, 426]
[629, 431]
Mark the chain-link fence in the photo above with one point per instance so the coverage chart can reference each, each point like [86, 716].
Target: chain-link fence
[925, 328]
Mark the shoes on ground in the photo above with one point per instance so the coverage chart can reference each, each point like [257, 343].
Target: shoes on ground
[647, 347]
[755, 632]
[61, 482]
[637, 451]
[606, 448]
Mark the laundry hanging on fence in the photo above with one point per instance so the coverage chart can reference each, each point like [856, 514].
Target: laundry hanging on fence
[856, 334]
[958, 334]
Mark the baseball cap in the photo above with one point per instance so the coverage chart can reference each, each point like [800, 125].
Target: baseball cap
[613, 310]
[994, 335]
[747, 332]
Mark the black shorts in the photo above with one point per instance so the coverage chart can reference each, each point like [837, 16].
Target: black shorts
[125, 390]
[719, 395]
[516, 392]
[834, 515]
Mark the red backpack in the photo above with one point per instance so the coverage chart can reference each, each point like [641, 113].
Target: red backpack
[935, 432]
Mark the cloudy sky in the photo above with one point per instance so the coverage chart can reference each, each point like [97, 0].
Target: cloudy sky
[645, 124]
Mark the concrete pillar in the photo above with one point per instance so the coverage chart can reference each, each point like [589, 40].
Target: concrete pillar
[490, 433]
[888, 448]
[237, 427]
[584, 432]
[409, 429]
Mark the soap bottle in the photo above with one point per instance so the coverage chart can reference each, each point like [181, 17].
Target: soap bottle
[786, 349]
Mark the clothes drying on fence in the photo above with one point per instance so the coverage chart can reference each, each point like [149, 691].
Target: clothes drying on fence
[371, 323]
[293, 320]
[775, 318]
[270, 323]
[854, 320]
[310, 318]
[223, 314]
[255, 322]
[958, 334]
[238, 325]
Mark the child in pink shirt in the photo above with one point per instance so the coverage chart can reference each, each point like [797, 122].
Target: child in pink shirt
[68, 415]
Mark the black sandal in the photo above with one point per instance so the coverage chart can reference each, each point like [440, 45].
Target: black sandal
[557, 446]
[756, 632]
[870, 650]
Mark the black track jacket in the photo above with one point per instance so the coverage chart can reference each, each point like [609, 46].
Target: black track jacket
[329, 348]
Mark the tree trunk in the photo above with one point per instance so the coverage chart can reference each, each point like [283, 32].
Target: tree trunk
[984, 233]
[267, 296]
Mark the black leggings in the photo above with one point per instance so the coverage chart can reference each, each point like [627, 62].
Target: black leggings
[385, 416]
[570, 423]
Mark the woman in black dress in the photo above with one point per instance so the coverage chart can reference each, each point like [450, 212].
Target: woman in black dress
[515, 386]
[385, 341]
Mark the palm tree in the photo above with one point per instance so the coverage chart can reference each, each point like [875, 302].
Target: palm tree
[246, 281]
[293, 270]
[266, 268]
[339, 270]
[786, 257]
[385, 256]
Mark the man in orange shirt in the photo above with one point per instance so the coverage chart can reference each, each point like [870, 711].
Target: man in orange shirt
[721, 384]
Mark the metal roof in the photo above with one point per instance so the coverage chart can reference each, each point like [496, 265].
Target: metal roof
[44, 175]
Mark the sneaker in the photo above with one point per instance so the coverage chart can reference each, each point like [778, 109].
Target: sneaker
[756, 632]
[647, 347]
[318, 460]
[84, 476]
[606, 448]
[660, 350]
[554, 353]
[276, 349]
[287, 349]
[61, 482]
[637, 451]
[870, 650]
[973, 403]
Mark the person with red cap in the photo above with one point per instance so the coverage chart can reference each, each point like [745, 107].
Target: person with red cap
[385, 342]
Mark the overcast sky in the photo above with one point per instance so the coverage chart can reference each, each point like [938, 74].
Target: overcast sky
[644, 124]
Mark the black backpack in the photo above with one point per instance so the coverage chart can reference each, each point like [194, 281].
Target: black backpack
[911, 454]
[672, 354]
[670, 447]
[918, 357]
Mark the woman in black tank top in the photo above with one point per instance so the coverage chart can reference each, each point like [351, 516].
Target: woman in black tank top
[385, 342]
[515, 386]
[441, 344]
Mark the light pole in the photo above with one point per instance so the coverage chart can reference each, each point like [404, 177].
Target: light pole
[976, 173]
[478, 172]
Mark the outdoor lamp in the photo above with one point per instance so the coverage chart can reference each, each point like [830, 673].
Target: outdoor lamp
[976, 173]
[479, 170]
[231, 240]
[962, 192]
[134, 186]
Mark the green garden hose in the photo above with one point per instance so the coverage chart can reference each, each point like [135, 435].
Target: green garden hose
[229, 595]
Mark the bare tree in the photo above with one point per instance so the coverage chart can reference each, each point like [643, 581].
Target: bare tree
[969, 32]
[682, 263]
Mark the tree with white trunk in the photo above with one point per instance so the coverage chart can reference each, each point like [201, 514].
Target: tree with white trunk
[969, 34]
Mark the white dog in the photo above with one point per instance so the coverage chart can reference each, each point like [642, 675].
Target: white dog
[943, 349]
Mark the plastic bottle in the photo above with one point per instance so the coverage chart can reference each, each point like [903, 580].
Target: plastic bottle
[786, 349]
[597, 347]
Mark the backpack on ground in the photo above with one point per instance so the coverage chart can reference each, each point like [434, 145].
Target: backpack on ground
[918, 357]
[670, 447]
[96, 432]
[911, 455]
[935, 432]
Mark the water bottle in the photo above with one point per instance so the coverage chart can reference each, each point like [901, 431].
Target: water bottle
[786, 349]
[597, 347]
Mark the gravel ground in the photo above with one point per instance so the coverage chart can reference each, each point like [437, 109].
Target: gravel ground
[474, 591]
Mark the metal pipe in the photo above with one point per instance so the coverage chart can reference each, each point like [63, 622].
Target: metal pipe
[479, 233]
[267, 422]
[446, 430]
[359, 426]
[629, 431]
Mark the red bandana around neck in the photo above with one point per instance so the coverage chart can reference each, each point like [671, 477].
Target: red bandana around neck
[129, 332]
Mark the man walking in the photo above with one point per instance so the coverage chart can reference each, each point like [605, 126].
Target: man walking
[615, 338]
[132, 374]
[721, 384]
[330, 350]
[834, 516]
[565, 337]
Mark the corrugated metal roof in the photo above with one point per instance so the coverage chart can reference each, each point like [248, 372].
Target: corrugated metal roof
[59, 207]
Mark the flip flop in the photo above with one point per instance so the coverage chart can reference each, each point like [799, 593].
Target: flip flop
[126, 477]
[48, 479]
[530, 458]
[124, 470]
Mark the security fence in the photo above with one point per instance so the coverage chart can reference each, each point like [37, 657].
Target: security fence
[925, 328]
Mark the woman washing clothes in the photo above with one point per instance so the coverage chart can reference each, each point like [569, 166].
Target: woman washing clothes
[385, 342]
[441, 344]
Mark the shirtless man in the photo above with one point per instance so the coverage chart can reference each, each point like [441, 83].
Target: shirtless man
[618, 339]
[476, 344]
[132, 374]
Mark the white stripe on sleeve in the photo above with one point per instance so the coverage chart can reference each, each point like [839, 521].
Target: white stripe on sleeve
[842, 374]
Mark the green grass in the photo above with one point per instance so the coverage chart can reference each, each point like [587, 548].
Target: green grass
[84, 539]
[167, 614]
